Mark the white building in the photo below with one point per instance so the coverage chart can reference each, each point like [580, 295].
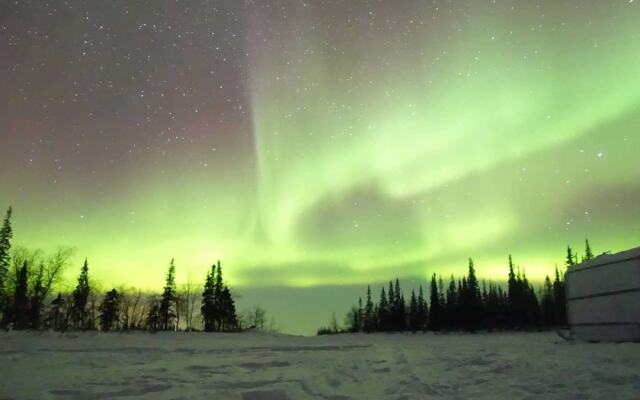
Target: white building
[603, 297]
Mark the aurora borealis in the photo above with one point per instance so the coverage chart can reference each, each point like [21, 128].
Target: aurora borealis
[320, 143]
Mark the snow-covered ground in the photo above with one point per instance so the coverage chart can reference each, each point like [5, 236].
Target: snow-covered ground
[253, 366]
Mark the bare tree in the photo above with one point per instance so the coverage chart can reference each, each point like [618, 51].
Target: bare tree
[189, 293]
[20, 256]
[180, 306]
[45, 270]
[54, 267]
[134, 316]
[43, 274]
[132, 308]
[256, 318]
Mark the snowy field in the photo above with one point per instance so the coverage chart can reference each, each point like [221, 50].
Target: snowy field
[253, 366]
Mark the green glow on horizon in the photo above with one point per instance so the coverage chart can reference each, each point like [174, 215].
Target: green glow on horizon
[391, 156]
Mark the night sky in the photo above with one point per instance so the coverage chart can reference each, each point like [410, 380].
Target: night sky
[320, 143]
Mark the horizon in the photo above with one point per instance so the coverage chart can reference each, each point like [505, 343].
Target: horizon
[294, 309]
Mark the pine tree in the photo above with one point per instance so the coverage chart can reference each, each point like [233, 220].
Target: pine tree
[473, 301]
[441, 296]
[423, 310]
[450, 305]
[79, 313]
[414, 319]
[167, 310]
[485, 294]
[548, 312]
[229, 319]
[571, 259]
[435, 307]
[369, 317]
[588, 255]
[110, 310]
[559, 298]
[218, 306]
[491, 307]
[512, 294]
[384, 312]
[391, 309]
[530, 303]
[503, 310]
[6, 233]
[354, 318]
[20, 302]
[360, 315]
[399, 308]
[208, 302]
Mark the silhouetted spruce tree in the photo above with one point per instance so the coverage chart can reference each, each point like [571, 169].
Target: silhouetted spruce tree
[461, 303]
[547, 306]
[369, 317]
[484, 298]
[513, 295]
[484, 294]
[402, 311]
[391, 317]
[450, 305]
[435, 316]
[559, 298]
[414, 322]
[208, 301]
[223, 312]
[463, 313]
[521, 302]
[571, 259]
[110, 311]
[167, 311]
[399, 309]
[383, 313]
[394, 301]
[20, 300]
[531, 306]
[6, 233]
[229, 319]
[360, 315]
[473, 300]
[218, 300]
[354, 318]
[79, 313]
[441, 301]
[588, 254]
[423, 310]
[503, 308]
[492, 308]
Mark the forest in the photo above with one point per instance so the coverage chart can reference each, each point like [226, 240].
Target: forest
[464, 304]
[28, 279]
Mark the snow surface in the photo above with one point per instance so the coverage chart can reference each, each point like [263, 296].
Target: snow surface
[254, 366]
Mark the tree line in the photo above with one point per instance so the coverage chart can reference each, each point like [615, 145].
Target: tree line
[27, 279]
[465, 304]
